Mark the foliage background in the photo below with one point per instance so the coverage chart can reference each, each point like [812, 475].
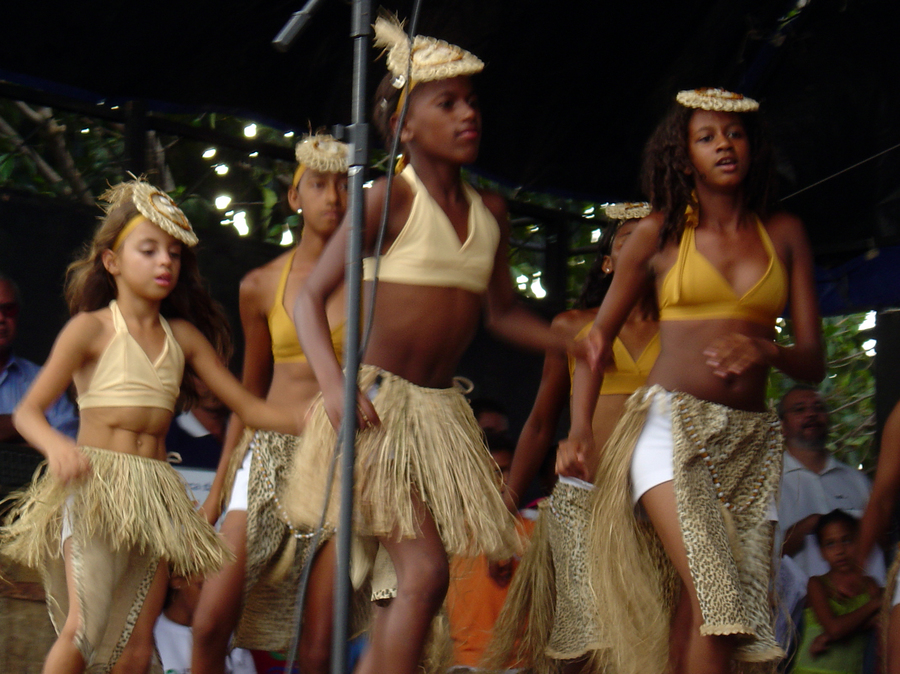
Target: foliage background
[74, 157]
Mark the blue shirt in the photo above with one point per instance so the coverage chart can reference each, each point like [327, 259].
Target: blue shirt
[15, 379]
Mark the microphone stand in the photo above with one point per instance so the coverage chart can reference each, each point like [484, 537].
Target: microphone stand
[358, 139]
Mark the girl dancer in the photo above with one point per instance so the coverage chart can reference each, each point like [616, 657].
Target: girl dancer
[550, 587]
[275, 366]
[702, 455]
[111, 509]
[425, 484]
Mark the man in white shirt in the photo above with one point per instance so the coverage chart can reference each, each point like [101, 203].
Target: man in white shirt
[814, 483]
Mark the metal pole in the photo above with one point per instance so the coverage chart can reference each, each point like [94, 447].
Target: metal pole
[358, 138]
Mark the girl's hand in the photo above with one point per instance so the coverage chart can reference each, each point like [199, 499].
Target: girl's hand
[819, 645]
[571, 456]
[210, 510]
[366, 416]
[732, 355]
[68, 464]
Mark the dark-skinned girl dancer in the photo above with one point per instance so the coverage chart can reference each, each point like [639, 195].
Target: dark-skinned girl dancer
[682, 585]
[425, 481]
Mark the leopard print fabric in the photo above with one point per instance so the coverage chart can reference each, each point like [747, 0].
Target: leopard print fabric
[727, 469]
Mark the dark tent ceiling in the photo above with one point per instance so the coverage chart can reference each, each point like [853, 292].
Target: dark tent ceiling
[570, 93]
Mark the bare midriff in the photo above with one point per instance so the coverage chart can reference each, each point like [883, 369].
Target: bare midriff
[131, 430]
[294, 385]
[424, 342]
[682, 365]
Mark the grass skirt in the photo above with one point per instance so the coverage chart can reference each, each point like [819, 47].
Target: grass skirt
[548, 617]
[428, 445]
[126, 516]
[727, 467]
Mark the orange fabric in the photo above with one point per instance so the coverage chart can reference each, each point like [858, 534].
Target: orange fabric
[474, 600]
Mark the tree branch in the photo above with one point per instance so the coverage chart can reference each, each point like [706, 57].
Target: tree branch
[43, 167]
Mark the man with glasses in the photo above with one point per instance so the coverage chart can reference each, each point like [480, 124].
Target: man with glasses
[17, 373]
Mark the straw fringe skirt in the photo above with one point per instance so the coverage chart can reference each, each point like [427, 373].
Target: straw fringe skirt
[129, 514]
[428, 446]
[548, 617]
[727, 466]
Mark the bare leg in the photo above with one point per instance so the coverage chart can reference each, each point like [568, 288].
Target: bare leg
[400, 629]
[219, 605]
[138, 652]
[702, 654]
[314, 650]
[64, 656]
[893, 642]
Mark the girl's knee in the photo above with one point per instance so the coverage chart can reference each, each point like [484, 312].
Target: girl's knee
[429, 582]
[136, 657]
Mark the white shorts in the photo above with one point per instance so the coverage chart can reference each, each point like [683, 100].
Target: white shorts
[66, 525]
[652, 463]
[238, 498]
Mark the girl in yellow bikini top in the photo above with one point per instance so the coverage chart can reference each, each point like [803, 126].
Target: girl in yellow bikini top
[285, 344]
[693, 289]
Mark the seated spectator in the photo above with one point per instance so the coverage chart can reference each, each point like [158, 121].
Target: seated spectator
[173, 636]
[17, 373]
[815, 483]
[478, 588]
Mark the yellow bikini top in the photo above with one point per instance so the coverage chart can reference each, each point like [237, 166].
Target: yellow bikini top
[285, 344]
[624, 375]
[125, 376]
[695, 289]
[428, 252]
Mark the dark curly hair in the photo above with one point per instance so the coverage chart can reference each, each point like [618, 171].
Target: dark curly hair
[668, 185]
[386, 98]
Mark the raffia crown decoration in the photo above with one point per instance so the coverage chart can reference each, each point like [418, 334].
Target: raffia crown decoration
[153, 204]
[432, 59]
[323, 153]
[717, 100]
[627, 210]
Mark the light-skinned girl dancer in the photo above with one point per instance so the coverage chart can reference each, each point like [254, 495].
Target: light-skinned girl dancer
[111, 519]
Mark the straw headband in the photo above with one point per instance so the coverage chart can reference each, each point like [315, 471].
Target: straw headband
[152, 204]
[431, 60]
[627, 210]
[716, 100]
[320, 152]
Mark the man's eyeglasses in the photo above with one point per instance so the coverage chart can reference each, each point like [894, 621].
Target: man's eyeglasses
[9, 310]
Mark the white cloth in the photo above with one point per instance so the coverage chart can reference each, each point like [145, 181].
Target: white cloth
[804, 493]
[652, 462]
[238, 499]
[174, 643]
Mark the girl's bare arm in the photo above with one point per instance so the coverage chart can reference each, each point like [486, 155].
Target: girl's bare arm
[540, 427]
[73, 347]
[838, 626]
[256, 377]
[881, 503]
[253, 410]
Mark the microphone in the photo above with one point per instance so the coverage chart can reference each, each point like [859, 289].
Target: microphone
[295, 26]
